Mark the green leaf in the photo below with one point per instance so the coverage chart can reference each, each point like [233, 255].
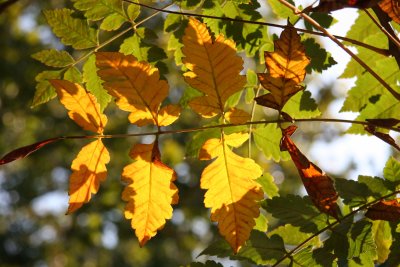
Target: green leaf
[324, 19]
[394, 255]
[364, 260]
[267, 139]
[73, 75]
[54, 58]
[391, 172]
[376, 185]
[282, 11]
[367, 86]
[252, 84]
[188, 94]
[320, 58]
[302, 106]
[297, 211]
[382, 235]
[44, 90]
[233, 100]
[72, 31]
[352, 192]
[133, 11]
[315, 258]
[173, 22]
[188, 4]
[205, 264]
[292, 235]
[267, 183]
[261, 223]
[94, 83]
[109, 10]
[361, 240]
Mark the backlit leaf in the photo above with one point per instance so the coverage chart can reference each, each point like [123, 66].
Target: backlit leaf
[44, 90]
[383, 239]
[83, 107]
[286, 70]
[213, 67]
[54, 58]
[302, 106]
[269, 187]
[72, 31]
[136, 86]
[392, 8]
[332, 5]
[88, 170]
[232, 192]
[237, 116]
[391, 171]
[319, 186]
[94, 83]
[150, 191]
[320, 58]
[292, 235]
[267, 139]
[283, 11]
[387, 210]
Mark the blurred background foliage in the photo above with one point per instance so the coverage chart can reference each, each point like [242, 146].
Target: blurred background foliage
[34, 230]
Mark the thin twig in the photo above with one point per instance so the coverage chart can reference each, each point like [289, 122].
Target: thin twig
[355, 42]
[348, 51]
[390, 36]
[330, 226]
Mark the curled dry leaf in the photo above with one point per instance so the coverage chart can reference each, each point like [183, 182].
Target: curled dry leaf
[387, 210]
[232, 191]
[392, 8]
[319, 186]
[150, 191]
[286, 70]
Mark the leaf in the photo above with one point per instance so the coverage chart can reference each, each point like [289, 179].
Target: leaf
[83, 107]
[387, 210]
[150, 191]
[197, 140]
[72, 31]
[383, 136]
[301, 106]
[286, 69]
[261, 223]
[73, 75]
[377, 186]
[25, 151]
[329, 5]
[54, 58]
[282, 11]
[382, 236]
[352, 192]
[94, 83]
[318, 257]
[392, 8]
[206, 264]
[232, 192]
[319, 186]
[391, 172]
[88, 170]
[237, 116]
[267, 183]
[44, 90]
[136, 86]
[297, 211]
[320, 58]
[267, 139]
[292, 235]
[213, 68]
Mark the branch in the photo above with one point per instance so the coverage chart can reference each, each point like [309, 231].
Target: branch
[348, 51]
[330, 226]
[378, 50]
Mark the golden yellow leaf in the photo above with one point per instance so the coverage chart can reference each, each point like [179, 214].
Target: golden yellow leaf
[232, 192]
[237, 116]
[168, 114]
[83, 107]
[136, 86]
[150, 191]
[88, 170]
[286, 69]
[214, 68]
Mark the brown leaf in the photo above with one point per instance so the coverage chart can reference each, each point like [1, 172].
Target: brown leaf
[331, 5]
[387, 210]
[319, 186]
[25, 151]
[286, 70]
[392, 8]
[384, 122]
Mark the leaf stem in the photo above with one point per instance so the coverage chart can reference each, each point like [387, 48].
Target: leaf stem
[330, 226]
[355, 42]
[348, 51]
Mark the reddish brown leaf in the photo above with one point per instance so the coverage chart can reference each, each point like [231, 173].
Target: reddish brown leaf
[392, 8]
[331, 5]
[25, 151]
[387, 210]
[319, 186]
[384, 122]
[383, 136]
